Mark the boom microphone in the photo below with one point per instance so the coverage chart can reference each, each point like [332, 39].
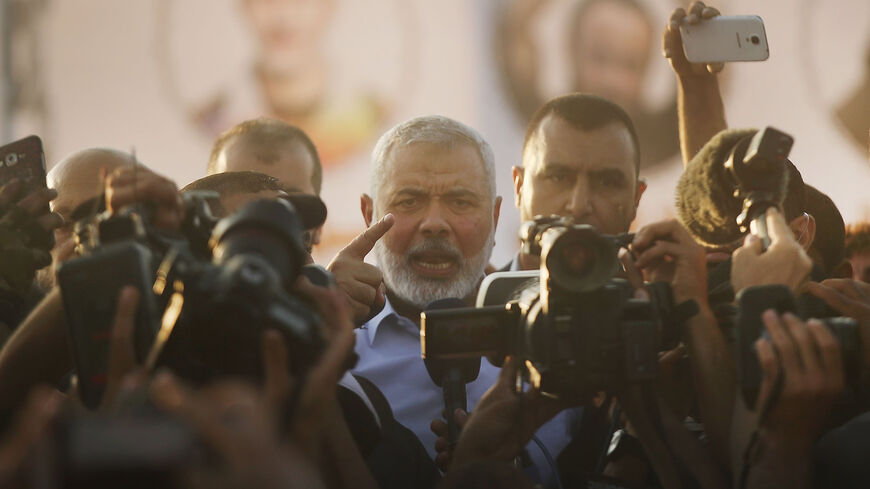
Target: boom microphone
[732, 181]
[452, 375]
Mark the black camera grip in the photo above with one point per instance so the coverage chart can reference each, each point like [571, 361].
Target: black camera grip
[453, 388]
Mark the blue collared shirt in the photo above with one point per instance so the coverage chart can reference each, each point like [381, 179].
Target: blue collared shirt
[389, 355]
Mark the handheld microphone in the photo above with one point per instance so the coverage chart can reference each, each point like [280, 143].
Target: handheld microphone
[728, 186]
[452, 375]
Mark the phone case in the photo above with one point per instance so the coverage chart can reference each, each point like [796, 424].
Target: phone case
[25, 160]
[725, 38]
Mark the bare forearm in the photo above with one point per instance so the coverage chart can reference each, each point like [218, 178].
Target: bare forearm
[701, 112]
[37, 352]
[712, 378]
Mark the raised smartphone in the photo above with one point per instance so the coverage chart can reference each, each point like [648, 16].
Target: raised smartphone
[725, 39]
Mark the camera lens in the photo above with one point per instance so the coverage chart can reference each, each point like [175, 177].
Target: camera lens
[11, 159]
[755, 39]
[578, 259]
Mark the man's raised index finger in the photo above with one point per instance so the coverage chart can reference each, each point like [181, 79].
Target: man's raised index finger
[363, 244]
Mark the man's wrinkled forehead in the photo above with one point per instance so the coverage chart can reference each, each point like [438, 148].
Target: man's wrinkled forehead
[405, 170]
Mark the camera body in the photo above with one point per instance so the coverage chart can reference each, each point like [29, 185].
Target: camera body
[577, 327]
[113, 253]
[218, 309]
[214, 308]
[752, 302]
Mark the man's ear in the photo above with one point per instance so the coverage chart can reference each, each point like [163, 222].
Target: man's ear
[367, 207]
[804, 229]
[518, 174]
[641, 188]
[843, 270]
[496, 210]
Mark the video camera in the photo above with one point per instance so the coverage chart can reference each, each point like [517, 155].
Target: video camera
[576, 326]
[214, 299]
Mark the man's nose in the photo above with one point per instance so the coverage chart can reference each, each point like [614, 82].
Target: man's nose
[434, 223]
[580, 201]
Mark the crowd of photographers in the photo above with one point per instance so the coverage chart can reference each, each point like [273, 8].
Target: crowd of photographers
[157, 337]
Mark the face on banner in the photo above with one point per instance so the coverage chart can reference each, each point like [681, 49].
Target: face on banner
[604, 47]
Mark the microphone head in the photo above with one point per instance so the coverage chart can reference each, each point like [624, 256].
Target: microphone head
[437, 369]
[448, 303]
[706, 205]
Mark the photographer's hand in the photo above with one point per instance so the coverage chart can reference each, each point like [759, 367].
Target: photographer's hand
[26, 226]
[123, 374]
[234, 421]
[805, 358]
[503, 421]
[19, 443]
[672, 40]
[785, 261]
[850, 298]
[700, 108]
[319, 425]
[134, 184]
[362, 283]
[667, 253]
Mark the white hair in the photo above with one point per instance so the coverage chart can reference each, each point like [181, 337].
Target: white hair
[430, 129]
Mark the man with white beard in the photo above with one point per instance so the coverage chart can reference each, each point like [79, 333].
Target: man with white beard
[432, 214]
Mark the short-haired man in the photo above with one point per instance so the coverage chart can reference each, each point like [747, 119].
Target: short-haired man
[78, 179]
[272, 147]
[432, 199]
[580, 159]
[236, 188]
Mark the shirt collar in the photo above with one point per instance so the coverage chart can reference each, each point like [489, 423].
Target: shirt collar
[374, 323]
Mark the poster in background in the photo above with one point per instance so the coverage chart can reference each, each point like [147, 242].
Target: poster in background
[165, 76]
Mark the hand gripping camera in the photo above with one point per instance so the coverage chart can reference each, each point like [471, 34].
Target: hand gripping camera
[577, 327]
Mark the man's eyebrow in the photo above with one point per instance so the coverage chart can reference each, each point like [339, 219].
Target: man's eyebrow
[551, 166]
[461, 192]
[413, 191]
[607, 171]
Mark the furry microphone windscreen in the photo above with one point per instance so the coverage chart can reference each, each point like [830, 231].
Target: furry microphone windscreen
[705, 200]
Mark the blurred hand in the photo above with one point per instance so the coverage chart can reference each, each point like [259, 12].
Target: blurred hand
[317, 406]
[503, 421]
[236, 422]
[785, 262]
[851, 298]
[444, 454]
[665, 252]
[26, 227]
[124, 375]
[134, 184]
[806, 359]
[20, 441]
[362, 283]
[672, 41]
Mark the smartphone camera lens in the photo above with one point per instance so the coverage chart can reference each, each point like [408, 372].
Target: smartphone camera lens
[11, 159]
[755, 39]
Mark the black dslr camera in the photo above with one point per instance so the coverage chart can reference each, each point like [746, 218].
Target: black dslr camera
[218, 310]
[577, 327]
[214, 299]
